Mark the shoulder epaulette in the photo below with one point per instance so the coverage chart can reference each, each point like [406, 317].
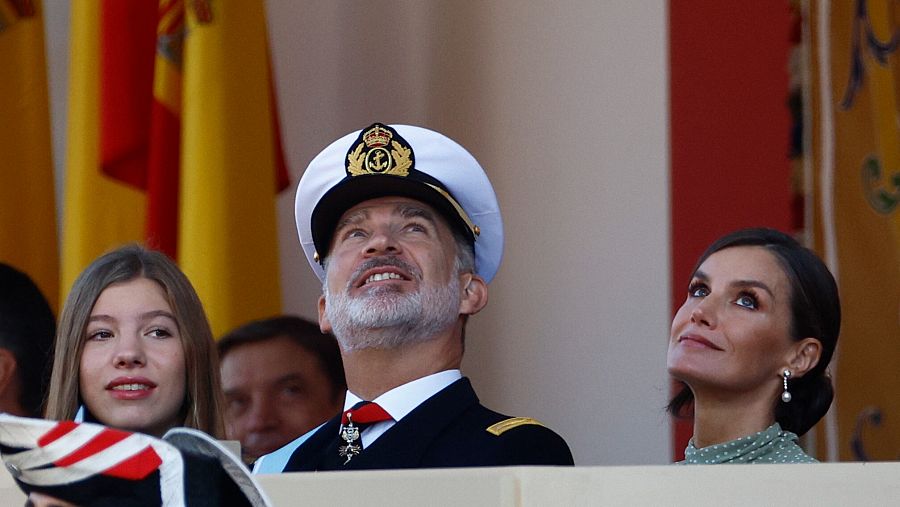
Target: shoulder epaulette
[508, 424]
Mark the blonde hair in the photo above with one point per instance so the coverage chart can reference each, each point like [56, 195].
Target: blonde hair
[203, 399]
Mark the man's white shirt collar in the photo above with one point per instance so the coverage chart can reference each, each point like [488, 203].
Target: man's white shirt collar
[401, 400]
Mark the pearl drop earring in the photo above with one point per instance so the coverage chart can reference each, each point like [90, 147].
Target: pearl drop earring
[786, 395]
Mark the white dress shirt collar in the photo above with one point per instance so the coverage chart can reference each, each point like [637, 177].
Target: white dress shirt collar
[403, 399]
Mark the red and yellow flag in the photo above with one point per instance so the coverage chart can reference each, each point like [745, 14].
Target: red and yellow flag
[27, 204]
[180, 121]
[855, 157]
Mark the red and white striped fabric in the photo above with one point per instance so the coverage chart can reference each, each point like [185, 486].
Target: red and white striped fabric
[50, 453]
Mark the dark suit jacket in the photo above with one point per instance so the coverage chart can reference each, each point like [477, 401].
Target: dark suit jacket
[447, 430]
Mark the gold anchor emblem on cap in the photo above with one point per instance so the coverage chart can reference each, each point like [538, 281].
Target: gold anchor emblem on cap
[373, 156]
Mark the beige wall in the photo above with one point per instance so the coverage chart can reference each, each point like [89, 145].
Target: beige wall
[565, 105]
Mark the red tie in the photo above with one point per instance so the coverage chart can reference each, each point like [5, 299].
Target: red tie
[365, 412]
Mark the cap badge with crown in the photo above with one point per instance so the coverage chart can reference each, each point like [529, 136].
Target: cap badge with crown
[370, 154]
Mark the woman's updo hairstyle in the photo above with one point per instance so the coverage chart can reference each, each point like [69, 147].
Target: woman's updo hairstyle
[815, 313]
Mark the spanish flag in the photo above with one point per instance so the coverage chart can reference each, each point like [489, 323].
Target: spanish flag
[100, 212]
[186, 128]
[855, 163]
[27, 204]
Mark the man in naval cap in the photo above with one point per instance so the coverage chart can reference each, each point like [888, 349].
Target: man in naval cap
[402, 226]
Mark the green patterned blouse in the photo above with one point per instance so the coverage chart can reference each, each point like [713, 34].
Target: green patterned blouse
[772, 445]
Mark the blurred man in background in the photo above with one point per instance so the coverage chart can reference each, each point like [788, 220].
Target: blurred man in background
[282, 377]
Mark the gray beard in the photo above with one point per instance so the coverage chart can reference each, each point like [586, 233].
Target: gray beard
[385, 318]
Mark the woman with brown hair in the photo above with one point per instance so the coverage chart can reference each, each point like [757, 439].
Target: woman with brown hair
[134, 349]
[751, 345]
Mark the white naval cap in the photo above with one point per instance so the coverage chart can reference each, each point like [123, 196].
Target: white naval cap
[399, 160]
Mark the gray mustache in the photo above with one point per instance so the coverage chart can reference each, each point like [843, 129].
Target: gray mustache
[377, 262]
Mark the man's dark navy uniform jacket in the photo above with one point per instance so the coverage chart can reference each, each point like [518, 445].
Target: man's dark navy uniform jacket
[450, 429]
